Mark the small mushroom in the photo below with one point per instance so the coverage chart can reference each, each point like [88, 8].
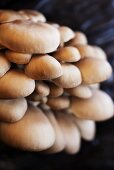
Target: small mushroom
[42, 88]
[71, 77]
[18, 58]
[12, 110]
[59, 143]
[32, 133]
[66, 33]
[4, 64]
[59, 103]
[70, 132]
[94, 70]
[35, 16]
[87, 128]
[79, 39]
[36, 97]
[15, 84]
[25, 36]
[99, 107]
[82, 91]
[67, 54]
[55, 91]
[43, 67]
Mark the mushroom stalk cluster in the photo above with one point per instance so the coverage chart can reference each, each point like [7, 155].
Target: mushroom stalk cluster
[49, 84]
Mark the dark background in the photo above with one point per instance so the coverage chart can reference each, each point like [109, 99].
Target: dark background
[96, 19]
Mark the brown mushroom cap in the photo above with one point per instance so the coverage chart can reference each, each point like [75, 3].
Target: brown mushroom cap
[59, 143]
[99, 107]
[70, 132]
[87, 128]
[26, 36]
[82, 91]
[43, 67]
[15, 84]
[66, 33]
[59, 103]
[4, 64]
[18, 58]
[67, 54]
[79, 39]
[12, 110]
[42, 88]
[55, 91]
[32, 133]
[71, 77]
[35, 16]
[36, 97]
[94, 70]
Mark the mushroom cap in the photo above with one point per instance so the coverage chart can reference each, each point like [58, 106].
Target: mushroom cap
[4, 64]
[32, 133]
[9, 15]
[79, 39]
[12, 110]
[26, 36]
[99, 107]
[71, 77]
[35, 16]
[67, 54]
[94, 70]
[59, 103]
[36, 97]
[66, 33]
[99, 53]
[18, 58]
[43, 67]
[70, 132]
[55, 91]
[15, 84]
[59, 143]
[42, 88]
[87, 128]
[82, 91]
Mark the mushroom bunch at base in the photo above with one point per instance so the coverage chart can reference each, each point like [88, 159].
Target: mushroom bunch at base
[49, 84]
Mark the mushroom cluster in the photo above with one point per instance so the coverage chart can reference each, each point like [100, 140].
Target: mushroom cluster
[49, 84]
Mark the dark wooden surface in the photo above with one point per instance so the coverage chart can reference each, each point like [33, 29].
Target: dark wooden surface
[96, 19]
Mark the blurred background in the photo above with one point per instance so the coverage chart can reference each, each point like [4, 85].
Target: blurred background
[96, 19]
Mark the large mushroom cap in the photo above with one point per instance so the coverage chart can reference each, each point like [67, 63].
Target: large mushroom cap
[71, 77]
[43, 67]
[28, 37]
[33, 133]
[98, 107]
[12, 110]
[15, 84]
[94, 70]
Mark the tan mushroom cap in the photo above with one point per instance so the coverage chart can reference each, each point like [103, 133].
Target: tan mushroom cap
[4, 64]
[79, 39]
[87, 128]
[18, 58]
[67, 54]
[35, 16]
[99, 107]
[82, 91]
[70, 132]
[94, 70]
[55, 91]
[32, 133]
[43, 67]
[15, 84]
[99, 53]
[42, 88]
[12, 110]
[71, 77]
[36, 97]
[9, 15]
[66, 33]
[59, 103]
[59, 143]
[26, 36]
